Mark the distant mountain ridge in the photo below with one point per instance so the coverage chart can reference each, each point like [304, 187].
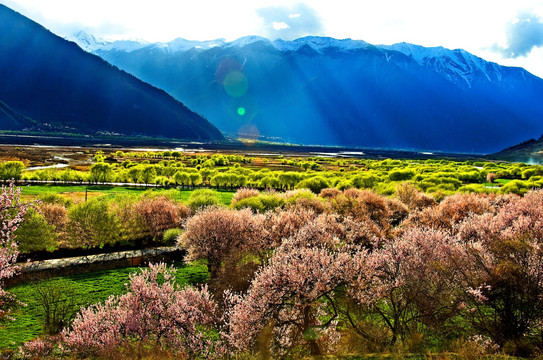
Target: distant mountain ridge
[456, 65]
[530, 151]
[347, 92]
[50, 84]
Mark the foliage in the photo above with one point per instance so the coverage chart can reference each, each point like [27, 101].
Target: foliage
[315, 184]
[154, 309]
[88, 288]
[12, 212]
[202, 198]
[171, 236]
[253, 203]
[260, 203]
[287, 296]
[11, 170]
[35, 233]
[52, 198]
[159, 214]
[92, 224]
[219, 234]
[57, 301]
[399, 229]
[504, 269]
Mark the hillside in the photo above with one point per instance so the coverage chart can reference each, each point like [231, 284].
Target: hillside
[527, 151]
[50, 84]
[342, 92]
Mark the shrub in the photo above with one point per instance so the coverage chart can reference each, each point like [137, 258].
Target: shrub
[362, 204]
[292, 196]
[171, 236]
[220, 234]
[414, 199]
[55, 215]
[397, 210]
[364, 181]
[286, 223]
[202, 198]
[517, 187]
[243, 193]
[158, 214]
[11, 170]
[253, 203]
[329, 193]
[58, 304]
[92, 224]
[52, 198]
[401, 175]
[315, 184]
[452, 210]
[35, 234]
[474, 188]
[271, 201]
[316, 204]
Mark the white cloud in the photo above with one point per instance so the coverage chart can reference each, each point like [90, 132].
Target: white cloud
[280, 25]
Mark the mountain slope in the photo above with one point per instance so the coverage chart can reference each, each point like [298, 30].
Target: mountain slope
[63, 88]
[342, 92]
[12, 120]
[528, 151]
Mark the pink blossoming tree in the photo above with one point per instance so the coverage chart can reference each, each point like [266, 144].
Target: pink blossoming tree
[12, 212]
[409, 280]
[154, 310]
[289, 296]
[503, 272]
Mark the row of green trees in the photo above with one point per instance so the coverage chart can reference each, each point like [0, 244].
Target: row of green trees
[440, 178]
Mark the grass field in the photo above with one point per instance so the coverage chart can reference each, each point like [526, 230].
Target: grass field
[77, 193]
[88, 288]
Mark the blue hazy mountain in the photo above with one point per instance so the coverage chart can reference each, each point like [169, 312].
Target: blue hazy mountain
[318, 90]
[50, 84]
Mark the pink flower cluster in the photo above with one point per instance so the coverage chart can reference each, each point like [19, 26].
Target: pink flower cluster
[12, 212]
[153, 309]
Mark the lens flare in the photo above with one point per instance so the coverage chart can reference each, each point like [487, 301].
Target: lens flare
[235, 84]
[241, 111]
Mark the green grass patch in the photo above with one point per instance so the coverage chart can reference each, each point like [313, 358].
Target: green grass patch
[89, 289]
[225, 196]
[182, 195]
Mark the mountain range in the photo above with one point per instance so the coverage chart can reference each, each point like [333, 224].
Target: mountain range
[317, 90]
[50, 84]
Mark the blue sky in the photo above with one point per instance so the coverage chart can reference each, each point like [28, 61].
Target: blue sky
[509, 32]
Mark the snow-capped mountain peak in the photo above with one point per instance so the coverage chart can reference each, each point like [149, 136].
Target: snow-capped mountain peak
[91, 44]
[87, 41]
[180, 44]
[458, 66]
[319, 43]
[246, 40]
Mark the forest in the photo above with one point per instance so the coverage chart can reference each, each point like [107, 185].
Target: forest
[286, 257]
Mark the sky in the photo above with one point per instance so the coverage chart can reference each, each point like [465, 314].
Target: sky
[509, 32]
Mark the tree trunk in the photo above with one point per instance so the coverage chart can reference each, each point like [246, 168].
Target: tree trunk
[308, 323]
